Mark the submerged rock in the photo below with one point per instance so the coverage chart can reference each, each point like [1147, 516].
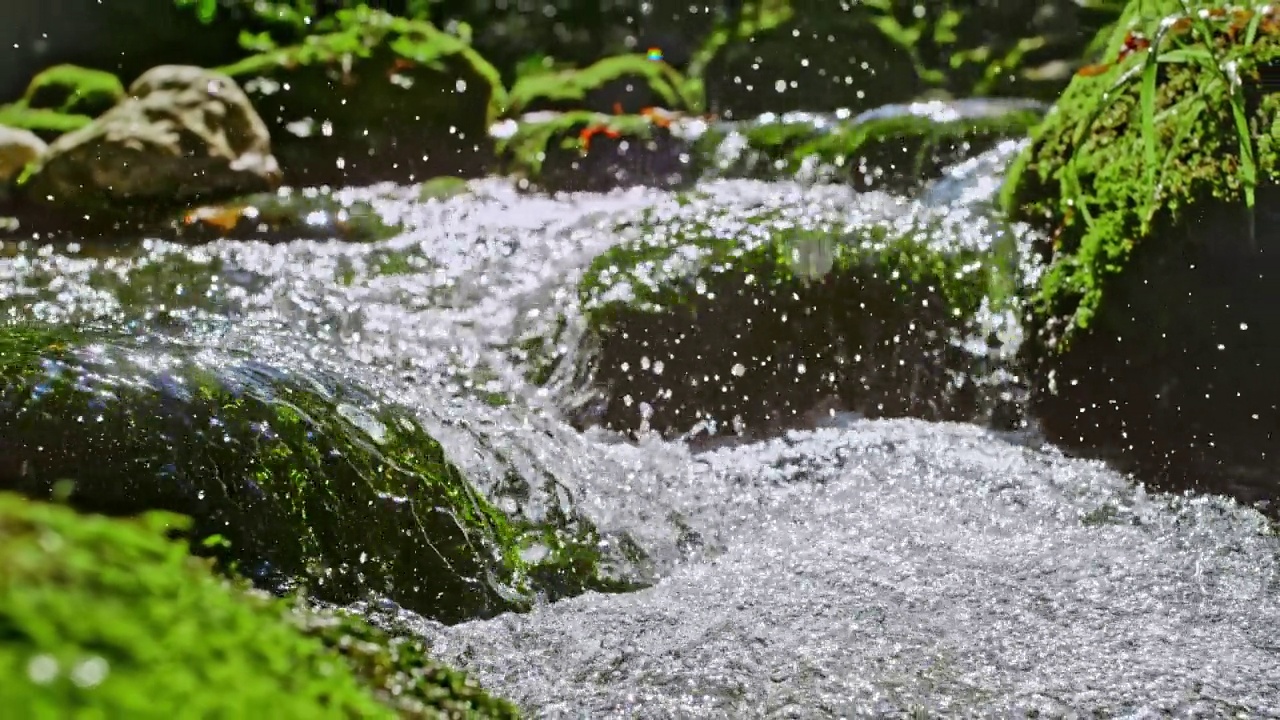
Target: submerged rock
[716, 316]
[1150, 318]
[286, 215]
[310, 479]
[109, 617]
[375, 97]
[184, 134]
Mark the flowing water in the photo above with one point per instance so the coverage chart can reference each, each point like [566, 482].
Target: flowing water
[844, 567]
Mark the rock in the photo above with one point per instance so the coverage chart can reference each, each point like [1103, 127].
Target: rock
[740, 314]
[1150, 324]
[625, 84]
[108, 617]
[588, 151]
[795, 56]
[310, 479]
[376, 98]
[18, 148]
[185, 134]
[286, 215]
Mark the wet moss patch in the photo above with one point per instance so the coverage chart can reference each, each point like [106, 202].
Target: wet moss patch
[111, 617]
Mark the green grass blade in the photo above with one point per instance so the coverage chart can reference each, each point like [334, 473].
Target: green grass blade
[1148, 103]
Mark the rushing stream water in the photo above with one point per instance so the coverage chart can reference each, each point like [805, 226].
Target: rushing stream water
[844, 567]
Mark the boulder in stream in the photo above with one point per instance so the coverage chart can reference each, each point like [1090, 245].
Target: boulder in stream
[113, 618]
[184, 134]
[309, 479]
[717, 315]
[1151, 314]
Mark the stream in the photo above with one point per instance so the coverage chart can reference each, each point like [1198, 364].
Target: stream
[837, 567]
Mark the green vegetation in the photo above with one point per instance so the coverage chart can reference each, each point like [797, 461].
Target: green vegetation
[528, 148]
[110, 618]
[62, 99]
[311, 480]
[74, 90]
[1136, 143]
[654, 84]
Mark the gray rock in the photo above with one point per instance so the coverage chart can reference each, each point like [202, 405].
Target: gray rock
[185, 133]
[17, 149]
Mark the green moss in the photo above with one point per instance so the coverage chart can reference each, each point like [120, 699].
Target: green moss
[109, 618]
[48, 124]
[73, 90]
[524, 151]
[571, 89]
[373, 97]
[906, 148]
[312, 480]
[1087, 178]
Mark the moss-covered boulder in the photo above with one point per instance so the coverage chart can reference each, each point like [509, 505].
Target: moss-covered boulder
[589, 151]
[721, 316]
[185, 134]
[310, 479]
[112, 618]
[895, 147]
[375, 97]
[624, 84]
[1149, 319]
[783, 55]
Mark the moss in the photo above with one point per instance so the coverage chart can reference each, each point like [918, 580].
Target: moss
[524, 151]
[110, 618]
[587, 88]
[73, 90]
[374, 97]
[895, 150]
[311, 480]
[48, 124]
[1085, 179]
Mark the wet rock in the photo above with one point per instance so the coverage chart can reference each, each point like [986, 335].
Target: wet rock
[310, 479]
[286, 215]
[1149, 324]
[375, 97]
[719, 317]
[184, 134]
[18, 149]
[624, 84]
[588, 151]
[895, 147]
[109, 616]
[796, 56]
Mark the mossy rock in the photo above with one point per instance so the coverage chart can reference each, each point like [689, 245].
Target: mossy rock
[1148, 322]
[73, 90]
[721, 317]
[112, 618]
[312, 480]
[373, 98]
[785, 55]
[589, 151]
[891, 148]
[624, 84]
